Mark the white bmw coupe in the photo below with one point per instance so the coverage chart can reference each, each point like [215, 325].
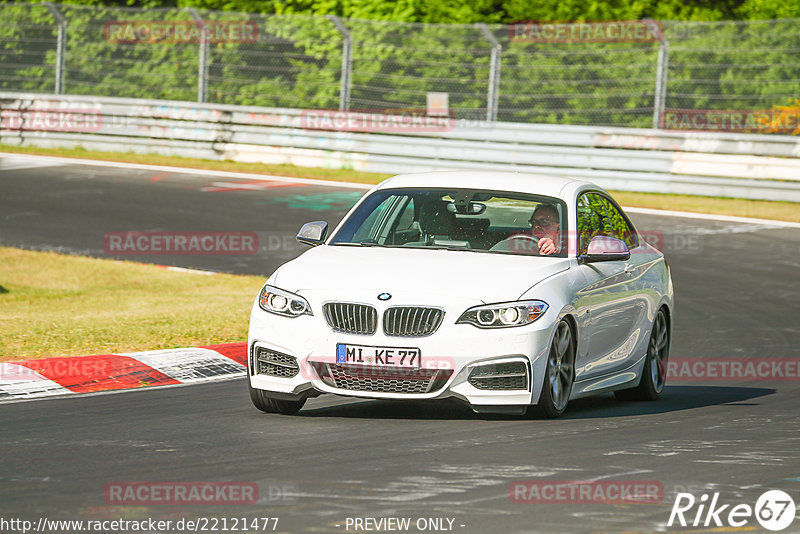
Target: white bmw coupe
[511, 292]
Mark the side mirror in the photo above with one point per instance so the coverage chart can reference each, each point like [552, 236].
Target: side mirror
[604, 248]
[313, 233]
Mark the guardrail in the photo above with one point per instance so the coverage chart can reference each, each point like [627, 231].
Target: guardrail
[713, 164]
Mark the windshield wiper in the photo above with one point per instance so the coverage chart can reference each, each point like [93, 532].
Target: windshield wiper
[361, 244]
[445, 247]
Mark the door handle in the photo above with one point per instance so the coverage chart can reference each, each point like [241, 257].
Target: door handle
[629, 268]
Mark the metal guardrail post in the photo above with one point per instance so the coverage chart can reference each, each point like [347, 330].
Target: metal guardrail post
[347, 62]
[660, 96]
[61, 46]
[494, 72]
[202, 68]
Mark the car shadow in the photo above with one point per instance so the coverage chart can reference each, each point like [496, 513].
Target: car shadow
[673, 399]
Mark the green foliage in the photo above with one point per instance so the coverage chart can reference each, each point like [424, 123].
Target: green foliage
[297, 59]
[31, 67]
[768, 9]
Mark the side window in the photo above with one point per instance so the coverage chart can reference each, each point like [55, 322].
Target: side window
[619, 226]
[598, 216]
[591, 214]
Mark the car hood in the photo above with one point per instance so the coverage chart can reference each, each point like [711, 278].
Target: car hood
[347, 270]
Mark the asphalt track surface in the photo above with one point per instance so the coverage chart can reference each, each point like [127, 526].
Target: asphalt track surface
[737, 295]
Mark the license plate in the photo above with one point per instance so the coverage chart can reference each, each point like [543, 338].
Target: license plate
[379, 356]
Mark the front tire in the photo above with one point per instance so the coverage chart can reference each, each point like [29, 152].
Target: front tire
[654, 374]
[269, 404]
[559, 374]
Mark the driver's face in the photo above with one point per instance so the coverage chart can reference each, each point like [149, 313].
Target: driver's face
[544, 223]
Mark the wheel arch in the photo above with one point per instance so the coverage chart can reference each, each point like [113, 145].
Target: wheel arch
[668, 314]
[573, 324]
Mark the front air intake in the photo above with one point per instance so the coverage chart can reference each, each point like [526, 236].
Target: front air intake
[272, 363]
[500, 376]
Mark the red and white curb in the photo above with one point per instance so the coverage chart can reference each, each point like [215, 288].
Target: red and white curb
[108, 372]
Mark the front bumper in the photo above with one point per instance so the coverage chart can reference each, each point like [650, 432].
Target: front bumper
[493, 358]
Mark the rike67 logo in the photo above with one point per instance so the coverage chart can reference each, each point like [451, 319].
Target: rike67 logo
[774, 510]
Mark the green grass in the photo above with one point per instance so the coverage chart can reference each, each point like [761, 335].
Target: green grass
[57, 305]
[763, 209]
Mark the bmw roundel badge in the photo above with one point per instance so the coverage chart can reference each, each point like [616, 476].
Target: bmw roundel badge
[384, 296]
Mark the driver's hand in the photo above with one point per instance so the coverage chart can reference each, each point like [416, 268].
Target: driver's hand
[546, 246]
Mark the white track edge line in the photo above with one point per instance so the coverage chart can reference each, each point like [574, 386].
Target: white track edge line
[713, 217]
[189, 170]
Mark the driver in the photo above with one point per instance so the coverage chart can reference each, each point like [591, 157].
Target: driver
[546, 226]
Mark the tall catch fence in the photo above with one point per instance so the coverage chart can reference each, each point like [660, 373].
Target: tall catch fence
[623, 74]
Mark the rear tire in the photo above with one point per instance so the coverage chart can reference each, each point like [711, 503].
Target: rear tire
[269, 404]
[654, 373]
[559, 374]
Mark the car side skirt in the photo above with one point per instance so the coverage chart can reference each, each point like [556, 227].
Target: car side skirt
[624, 379]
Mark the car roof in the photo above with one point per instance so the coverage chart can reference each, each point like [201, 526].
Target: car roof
[536, 184]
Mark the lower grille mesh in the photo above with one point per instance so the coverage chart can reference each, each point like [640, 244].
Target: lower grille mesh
[378, 380]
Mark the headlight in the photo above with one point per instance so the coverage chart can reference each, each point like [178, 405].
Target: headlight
[504, 314]
[282, 302]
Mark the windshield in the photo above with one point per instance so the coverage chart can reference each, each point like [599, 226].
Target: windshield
[462, 219]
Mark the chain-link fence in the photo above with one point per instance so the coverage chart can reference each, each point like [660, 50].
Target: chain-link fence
[565, 74]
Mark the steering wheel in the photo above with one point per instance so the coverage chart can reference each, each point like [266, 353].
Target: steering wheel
[519, 243]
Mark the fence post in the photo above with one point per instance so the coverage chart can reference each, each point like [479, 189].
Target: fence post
[347, 62]
[202, 68]
[494, 72]
[660, 96]
[61, 45]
